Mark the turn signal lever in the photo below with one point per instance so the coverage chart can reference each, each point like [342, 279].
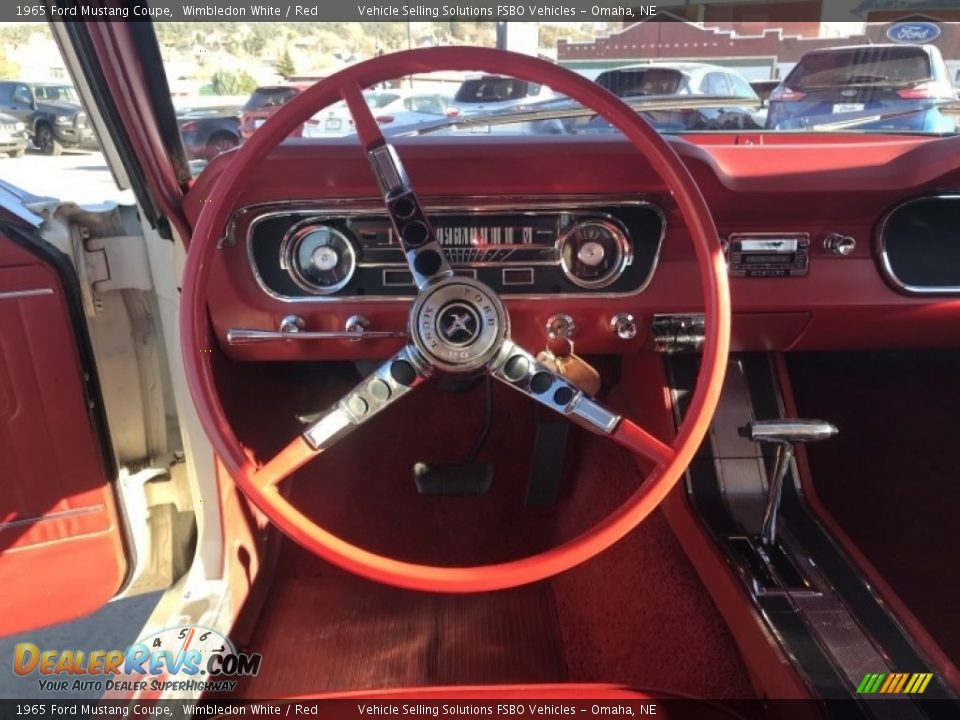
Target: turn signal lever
[784, 433]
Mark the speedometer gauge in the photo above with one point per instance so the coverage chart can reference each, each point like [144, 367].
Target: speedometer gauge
[319, 258]
[594, 253]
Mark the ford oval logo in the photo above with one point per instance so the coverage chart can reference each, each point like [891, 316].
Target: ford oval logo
[913, 32]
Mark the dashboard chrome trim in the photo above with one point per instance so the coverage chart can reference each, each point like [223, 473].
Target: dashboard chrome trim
[470, 204]
[883, 258]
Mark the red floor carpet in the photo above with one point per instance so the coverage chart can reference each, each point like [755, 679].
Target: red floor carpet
[890, 478]
[637, 615]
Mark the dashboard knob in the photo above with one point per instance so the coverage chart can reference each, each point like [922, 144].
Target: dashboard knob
[838, 244]
[292, 324]
[624, 326]
[357, 324]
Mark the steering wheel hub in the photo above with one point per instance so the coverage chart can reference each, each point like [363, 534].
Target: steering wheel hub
[458, 324]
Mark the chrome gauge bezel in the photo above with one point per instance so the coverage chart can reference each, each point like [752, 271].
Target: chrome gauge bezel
[624, 248]
[290, 245]
[246, 219]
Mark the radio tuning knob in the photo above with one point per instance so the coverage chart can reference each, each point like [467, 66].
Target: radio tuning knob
[838, 244]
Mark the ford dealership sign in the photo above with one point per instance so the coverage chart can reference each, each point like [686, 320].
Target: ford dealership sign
[913, 32]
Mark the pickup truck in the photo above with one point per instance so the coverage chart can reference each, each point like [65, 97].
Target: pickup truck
[51, 112]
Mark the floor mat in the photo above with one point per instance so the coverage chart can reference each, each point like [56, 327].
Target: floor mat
[334, 632]
[890, 478]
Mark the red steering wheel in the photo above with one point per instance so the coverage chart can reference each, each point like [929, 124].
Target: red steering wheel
[456, 325]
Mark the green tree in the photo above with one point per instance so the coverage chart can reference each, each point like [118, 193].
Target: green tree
[230, 82]
[254, 43]
[8, 68]
[285, 67]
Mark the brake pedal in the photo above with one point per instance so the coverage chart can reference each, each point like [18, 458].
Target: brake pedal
[464, 479]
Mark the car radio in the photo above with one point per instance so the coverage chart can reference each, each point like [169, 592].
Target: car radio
[768, 254]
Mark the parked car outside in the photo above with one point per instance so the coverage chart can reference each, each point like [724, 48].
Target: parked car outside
[51, 113]
[207, 132]
[264, 102]
[876, 87]
[670, 79]
[13, 136]
[396, 108]
[763, 88]
[490, 93]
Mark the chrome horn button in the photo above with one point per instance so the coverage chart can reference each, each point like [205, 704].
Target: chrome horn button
[458, 324]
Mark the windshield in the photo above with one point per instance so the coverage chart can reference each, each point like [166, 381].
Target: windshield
[380, 100]
[491, 89]
[845, 66]
[699, 76]
[56, 93]
[269, 97]
[647, 81]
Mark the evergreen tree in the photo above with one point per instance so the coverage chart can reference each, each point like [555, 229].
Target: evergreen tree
[285, 67]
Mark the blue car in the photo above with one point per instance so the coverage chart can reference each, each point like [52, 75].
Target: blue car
[865, 87]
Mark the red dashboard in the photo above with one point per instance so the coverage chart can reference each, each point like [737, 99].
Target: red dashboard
[759, 184]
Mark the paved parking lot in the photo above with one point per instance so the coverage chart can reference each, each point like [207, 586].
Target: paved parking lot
[115, 627]
[77, 175]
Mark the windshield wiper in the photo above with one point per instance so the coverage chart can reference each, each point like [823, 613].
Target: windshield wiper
[948, 107]
[560, 109]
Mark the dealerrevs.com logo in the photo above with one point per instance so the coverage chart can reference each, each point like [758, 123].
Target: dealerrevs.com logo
[181, 659]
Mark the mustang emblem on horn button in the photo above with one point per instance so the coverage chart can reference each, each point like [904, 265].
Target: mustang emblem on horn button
[459, 324]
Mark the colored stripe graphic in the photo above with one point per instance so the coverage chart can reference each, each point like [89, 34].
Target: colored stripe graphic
[862, 687]
[903, 681]
[894, 684]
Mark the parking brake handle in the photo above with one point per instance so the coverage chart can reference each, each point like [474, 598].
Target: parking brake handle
[783, 432]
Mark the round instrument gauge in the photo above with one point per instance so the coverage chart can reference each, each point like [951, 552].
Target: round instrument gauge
[594, 253]
[319, 258]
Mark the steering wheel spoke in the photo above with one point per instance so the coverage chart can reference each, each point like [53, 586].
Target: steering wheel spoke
[522, 371]
[416, 236]
[382, 388]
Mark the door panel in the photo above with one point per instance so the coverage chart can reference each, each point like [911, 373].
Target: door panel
[61, 543]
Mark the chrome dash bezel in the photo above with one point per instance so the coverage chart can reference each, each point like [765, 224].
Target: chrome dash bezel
[883, 258]
[466, 205]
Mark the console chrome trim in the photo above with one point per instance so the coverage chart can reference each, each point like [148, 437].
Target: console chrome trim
[470, 204]
[883, 259]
